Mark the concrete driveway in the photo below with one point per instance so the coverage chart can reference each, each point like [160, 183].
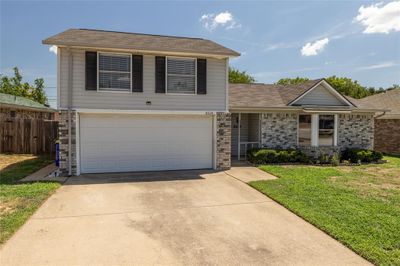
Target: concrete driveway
[171, 218]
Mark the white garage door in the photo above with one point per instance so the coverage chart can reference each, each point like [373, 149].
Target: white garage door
[122, 143]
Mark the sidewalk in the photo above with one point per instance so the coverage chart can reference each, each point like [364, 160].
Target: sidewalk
[47, 173]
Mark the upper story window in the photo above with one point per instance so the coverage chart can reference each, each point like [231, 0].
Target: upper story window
[181, 75]
[114, 72]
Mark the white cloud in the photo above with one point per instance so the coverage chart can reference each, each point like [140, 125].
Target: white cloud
[379, 18]
[314, 48]
[223, 19]
[53, 49]
[378, 66]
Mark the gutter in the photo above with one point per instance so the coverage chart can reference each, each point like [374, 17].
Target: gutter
[384, 112]
[23, 107]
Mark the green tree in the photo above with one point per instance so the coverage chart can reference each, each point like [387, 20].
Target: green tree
[291, 81]
[237, 76]
[344, 85]
[15, 86]
[349, 87]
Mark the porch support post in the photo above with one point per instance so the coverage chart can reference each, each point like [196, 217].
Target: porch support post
[314, 129]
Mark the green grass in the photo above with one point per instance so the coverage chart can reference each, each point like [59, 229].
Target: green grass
[357, 205]
[19, 201]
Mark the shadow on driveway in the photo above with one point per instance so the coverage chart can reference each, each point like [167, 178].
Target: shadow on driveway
[129, 177]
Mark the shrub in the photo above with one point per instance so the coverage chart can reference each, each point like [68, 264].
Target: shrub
[262, 156]
[360, 155]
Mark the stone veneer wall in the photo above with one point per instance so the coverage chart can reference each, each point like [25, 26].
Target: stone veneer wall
[356, 131]
[387, 135]
[279, 130]
[63, 137]
[317, 152]
[223, 149]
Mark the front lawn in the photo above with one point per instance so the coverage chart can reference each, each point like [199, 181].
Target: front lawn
[357, 205]
[19, 201]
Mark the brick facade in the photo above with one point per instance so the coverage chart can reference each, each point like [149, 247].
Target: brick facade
[356, 131]
[387, 135]
[279, 130]
[63, 137]
[223, 149]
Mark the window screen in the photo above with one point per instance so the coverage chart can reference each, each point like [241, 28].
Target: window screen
[114, 72]
[181, 75]
[326, 130]
[304, 130]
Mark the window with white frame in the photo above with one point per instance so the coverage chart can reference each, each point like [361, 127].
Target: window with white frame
[181, 75]
[305, 130]
[326, 130]
[114, 72]
[317, 130]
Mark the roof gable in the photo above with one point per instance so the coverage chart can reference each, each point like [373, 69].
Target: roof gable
[321, 94]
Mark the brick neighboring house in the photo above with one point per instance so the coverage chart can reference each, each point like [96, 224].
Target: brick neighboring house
[387, 125]
[140, 102]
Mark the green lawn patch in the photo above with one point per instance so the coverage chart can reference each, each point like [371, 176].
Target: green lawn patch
[357, 205]
[19, 201]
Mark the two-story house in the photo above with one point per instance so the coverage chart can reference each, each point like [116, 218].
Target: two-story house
[139, 102]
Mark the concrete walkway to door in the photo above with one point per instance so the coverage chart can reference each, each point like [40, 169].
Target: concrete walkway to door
[175, 218]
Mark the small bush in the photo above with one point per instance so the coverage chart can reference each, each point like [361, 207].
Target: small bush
[335, 160]
[360, 155]
[262, 156]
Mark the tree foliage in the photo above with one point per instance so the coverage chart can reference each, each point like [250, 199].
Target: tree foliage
[344, 85]
[15, 86]
[237, 76]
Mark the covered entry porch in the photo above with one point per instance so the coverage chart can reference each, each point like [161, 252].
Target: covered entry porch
[246, 134]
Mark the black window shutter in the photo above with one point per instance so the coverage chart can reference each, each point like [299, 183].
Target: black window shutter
[91, 71]
[160, 74]
[201, 76]
[137, 73]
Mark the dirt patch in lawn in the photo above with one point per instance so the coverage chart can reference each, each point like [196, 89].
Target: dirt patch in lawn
[8, 161]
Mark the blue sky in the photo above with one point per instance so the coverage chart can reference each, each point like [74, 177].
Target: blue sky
[356, 39]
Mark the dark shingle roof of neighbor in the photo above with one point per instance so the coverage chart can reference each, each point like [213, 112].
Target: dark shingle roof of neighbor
[385, 100]
[8, 99]
[266, 95]
[137, 41]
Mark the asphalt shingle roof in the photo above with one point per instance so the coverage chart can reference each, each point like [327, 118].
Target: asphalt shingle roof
[21, 101]
[137, 41]
[386, 100]
[266, 95]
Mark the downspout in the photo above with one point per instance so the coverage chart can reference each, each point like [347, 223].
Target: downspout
[70, 62]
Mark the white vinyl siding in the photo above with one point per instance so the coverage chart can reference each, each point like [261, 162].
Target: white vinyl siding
[181, 75]
[214, 100]
[320, 96]
[114, 72]
[124, 143]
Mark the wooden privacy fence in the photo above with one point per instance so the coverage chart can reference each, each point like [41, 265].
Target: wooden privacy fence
[28, 135]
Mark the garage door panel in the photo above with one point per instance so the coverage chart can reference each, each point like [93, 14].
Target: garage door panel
[120, 143]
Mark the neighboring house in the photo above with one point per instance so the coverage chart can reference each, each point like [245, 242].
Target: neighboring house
[311, 116]
[387, 125]
[139, 102]
[12, 106]
[26, 126]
